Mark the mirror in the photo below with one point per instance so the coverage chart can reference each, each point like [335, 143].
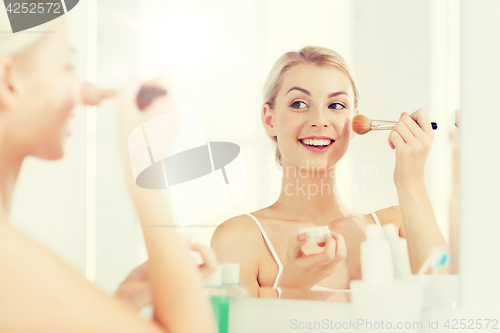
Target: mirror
[227, 51]
[405, 56]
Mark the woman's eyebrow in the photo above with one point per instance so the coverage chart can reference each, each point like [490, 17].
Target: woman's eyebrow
[333, 94]
[299, 89]
[338, 93]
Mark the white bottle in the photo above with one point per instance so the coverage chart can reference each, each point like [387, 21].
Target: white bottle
[231, 280]
[399, 250]
[376, 259]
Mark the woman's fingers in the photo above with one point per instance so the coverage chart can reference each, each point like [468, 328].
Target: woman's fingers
[412, 125]
[422, 119]
[135, 293]
[325, 257]
[330, 243]
[390, 141]
[402, 128]
[414, 130]
[209, 259]
[140, 273]
[395, 140]
[295, 244]
[341, 251]
[416, 122]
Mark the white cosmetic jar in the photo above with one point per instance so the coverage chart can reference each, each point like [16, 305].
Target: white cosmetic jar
[315, 234]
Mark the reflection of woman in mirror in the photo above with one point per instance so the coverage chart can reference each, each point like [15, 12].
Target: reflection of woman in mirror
[313, 94]
[39, 291]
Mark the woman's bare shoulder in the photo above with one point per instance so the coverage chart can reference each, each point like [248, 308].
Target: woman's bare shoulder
[236, 229]
[391, 215]
[37, 283]
[238, 236]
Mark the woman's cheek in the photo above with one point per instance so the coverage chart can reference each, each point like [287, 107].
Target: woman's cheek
[347, 127]
[68, 101]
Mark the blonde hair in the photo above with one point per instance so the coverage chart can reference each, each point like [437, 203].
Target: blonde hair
[13, 43]
[318, 56]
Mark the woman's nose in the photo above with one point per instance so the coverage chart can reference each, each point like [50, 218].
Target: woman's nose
[319, 119]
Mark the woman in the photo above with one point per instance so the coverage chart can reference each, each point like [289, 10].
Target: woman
[40, 292]
[310, 99]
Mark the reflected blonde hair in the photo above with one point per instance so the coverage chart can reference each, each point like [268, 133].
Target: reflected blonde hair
[12, 44]
[314, 55]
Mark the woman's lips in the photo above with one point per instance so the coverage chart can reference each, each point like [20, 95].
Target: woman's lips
[317, 149]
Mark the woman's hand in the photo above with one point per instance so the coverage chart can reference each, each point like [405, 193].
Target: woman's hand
[135, 290]
[209, 257]
[131, 116]
[412, 138]
[178, 300]
[302, 271]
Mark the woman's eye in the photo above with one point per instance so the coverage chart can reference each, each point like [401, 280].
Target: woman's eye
[298, 105]
[336, 106]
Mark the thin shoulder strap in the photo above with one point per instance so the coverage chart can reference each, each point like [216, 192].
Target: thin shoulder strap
[379, 225]
[271, 248]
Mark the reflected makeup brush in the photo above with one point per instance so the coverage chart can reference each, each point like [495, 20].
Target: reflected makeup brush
[362, 124]
[93, 95]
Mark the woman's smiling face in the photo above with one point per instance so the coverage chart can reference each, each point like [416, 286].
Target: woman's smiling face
[312, 116]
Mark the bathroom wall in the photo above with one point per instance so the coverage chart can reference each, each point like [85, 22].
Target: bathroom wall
[406, 56]
[479, 176]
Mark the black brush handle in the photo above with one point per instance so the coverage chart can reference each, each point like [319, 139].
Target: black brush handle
[434, 125]
[147, 94]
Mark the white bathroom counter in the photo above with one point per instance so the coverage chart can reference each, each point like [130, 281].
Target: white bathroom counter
[251, 315]
[440, 313]
[254, 315]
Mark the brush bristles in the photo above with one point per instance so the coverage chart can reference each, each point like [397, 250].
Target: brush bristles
[361, 124]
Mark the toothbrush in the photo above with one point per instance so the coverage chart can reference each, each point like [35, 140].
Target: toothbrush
[439, 257]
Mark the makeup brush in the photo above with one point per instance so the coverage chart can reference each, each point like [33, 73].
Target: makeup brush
[93, 95]
[362, 124]
[147, 94]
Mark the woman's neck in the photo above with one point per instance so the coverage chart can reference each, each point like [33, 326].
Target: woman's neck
[10, 165]
[310, 195]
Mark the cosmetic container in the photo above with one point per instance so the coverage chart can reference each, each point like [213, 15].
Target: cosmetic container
[399, 252]
[218, 298]
[315, 234]
[222, 286]
[378, 294]
[231, 281]
[376, 259]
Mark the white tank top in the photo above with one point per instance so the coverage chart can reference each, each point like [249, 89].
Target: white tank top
[280, 265]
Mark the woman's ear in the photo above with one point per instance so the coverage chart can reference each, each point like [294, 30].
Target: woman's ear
[353, 134]
[268, 119]
[7, 91]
